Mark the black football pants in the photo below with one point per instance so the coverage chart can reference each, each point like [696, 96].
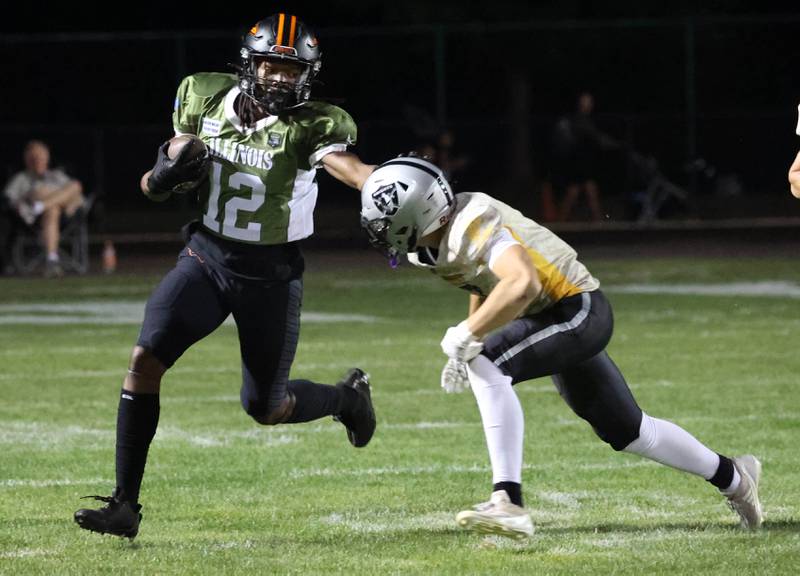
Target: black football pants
[567, 341]
[194, 298]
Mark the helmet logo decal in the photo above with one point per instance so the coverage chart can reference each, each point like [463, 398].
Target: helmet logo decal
[385, 198]
[254, 30]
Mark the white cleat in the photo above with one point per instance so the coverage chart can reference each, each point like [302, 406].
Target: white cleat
[498, 516]
[745, 500]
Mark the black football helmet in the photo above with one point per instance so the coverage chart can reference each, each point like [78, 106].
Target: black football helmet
[282, 38]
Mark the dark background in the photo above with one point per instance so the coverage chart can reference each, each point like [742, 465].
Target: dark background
[673, 81]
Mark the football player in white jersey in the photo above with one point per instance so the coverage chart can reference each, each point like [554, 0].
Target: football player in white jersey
[534, 310]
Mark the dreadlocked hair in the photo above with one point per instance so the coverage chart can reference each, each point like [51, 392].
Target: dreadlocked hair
[248, 110]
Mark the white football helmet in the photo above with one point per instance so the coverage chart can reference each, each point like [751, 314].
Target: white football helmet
[403, 200]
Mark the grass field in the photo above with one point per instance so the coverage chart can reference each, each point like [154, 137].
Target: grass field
[225, 496]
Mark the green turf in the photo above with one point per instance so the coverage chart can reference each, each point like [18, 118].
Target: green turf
[225, 496]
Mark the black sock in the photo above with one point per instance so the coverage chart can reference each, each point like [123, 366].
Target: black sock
[513, 490]
[137, 419]
[724, 474]
[314, 401]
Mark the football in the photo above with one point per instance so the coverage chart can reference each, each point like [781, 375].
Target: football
[176, 144]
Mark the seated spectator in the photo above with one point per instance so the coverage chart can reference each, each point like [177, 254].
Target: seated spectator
[45, 194]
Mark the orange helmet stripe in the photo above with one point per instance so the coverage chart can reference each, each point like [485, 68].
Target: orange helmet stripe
[279, 40]
[291, 31]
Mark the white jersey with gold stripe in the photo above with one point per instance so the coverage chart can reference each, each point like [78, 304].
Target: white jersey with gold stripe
[462, 259]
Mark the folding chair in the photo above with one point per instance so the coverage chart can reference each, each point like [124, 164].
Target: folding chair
[28, 254]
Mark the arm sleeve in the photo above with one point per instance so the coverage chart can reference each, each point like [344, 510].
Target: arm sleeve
[332, 131]
[499, 243]
[186, 112]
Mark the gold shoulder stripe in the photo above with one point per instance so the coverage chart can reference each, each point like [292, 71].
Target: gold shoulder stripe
[554, 283]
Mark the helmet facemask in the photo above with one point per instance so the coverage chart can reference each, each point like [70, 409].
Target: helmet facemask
[275, 96]
[378, 233]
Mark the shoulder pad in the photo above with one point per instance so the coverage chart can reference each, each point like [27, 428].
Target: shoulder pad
[475, 222]
[207, 84]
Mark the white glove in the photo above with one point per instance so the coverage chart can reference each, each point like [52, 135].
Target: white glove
[454, 377]
[460, 344]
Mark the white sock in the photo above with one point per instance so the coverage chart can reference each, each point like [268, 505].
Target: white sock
[734, 483]
[670, 444]
[38, 207]
[52, 257]
[503, 421]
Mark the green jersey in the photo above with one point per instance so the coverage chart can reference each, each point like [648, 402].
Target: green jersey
[261, 187]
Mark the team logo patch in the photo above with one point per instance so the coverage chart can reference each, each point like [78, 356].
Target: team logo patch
[211, 127]
[274, 139]
[385, 198]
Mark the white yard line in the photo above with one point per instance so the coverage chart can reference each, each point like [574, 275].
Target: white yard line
[769, 289]
[27, 553]
[51, 482]
[390, 521]
[123, 312]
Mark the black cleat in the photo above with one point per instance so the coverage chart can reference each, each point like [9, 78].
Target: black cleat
[358, 415]
[119, 517]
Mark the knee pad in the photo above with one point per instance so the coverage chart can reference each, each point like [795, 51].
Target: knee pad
[275, 416]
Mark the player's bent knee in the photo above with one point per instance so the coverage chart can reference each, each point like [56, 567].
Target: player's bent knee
[618, 434]
[144, 371]
[277, 415]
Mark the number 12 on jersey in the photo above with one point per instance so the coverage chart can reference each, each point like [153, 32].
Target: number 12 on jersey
[234, 205]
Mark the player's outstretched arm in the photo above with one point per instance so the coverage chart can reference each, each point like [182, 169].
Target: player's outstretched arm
[794, 177]
[347, 168]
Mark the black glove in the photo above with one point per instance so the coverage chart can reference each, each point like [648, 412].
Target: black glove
[179, 175]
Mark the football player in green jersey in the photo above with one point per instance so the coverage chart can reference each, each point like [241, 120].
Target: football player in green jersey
[535, 310]
[257, 189]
